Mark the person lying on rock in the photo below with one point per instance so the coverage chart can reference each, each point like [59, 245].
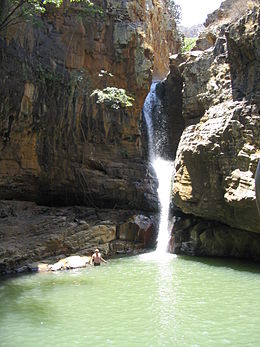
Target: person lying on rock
[96, 258]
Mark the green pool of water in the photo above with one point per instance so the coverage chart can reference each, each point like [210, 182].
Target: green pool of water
[135, 302]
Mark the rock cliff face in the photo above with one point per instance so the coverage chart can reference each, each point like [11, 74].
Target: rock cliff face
[220, 146]
[229, 11]
[71, 129]
[58, 146]
[170, 94]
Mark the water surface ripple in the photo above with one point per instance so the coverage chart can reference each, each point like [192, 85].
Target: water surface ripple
[137, 301]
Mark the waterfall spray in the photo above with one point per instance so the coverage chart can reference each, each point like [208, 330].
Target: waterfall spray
[164, 169]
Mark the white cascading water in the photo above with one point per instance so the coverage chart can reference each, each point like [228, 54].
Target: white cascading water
[164, 171]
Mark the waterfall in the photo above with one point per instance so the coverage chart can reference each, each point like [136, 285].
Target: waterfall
[163, 168]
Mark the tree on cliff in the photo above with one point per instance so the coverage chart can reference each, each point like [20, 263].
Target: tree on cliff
[174, 10]
[13, 12]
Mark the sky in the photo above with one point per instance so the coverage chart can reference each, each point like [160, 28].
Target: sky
[195, 11]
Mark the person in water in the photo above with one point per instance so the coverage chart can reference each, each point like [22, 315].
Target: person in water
[96, 258]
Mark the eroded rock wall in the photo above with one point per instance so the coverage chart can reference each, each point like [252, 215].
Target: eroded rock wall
[32, 234]
[229, 11]
[58, 146]
[170, 123]
[220, 146]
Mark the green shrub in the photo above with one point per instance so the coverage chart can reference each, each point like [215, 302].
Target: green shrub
[188, 44]
[114, 97]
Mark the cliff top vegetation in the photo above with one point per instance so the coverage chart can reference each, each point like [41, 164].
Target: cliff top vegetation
[14, 12]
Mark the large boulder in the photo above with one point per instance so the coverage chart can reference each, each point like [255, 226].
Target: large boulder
[197, 236]
[220, 147]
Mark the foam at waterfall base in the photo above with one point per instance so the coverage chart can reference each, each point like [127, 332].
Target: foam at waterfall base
[164, 172]
[156, 256]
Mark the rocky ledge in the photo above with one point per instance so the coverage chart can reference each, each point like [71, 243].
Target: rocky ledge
[32, 235]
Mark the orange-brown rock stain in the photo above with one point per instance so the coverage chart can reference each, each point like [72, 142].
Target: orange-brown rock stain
[58, 135]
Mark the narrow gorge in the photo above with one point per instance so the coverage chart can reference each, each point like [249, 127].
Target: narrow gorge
[75, 170]
[127, 145]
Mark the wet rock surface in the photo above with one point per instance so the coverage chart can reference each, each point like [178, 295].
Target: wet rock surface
[199, 237]
[167, 118]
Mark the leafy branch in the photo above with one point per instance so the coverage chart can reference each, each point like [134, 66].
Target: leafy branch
[13, 12]
[174, 10]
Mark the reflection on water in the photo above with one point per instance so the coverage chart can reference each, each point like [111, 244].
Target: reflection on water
[138, 301]
[166, 295]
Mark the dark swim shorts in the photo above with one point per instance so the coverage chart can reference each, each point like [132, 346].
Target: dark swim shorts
[96, 264]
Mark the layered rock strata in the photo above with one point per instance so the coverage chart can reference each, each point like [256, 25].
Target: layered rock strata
[58, 145]
[199, 237]
[220, 146]
[32, 234]
[72, 133]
